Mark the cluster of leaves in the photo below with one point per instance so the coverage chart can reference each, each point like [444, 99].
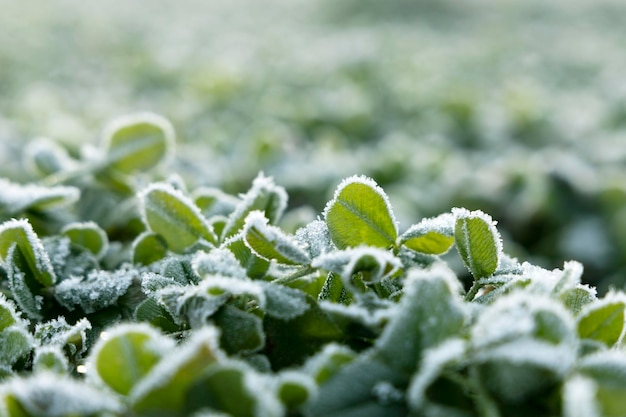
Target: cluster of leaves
[200, 303]
[408, 92]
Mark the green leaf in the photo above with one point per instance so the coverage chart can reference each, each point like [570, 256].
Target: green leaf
[50, 358]
[89, 236]
[24, 288]
[270, 243]
[478, 242]
[164, 390]
[284, 302]
[233, 388]
[428, 313]
[127, 354]
[255, 266]
[35, 257]
[214, 202]
[295, 389]
[152, 312]
[603, 320]
[606, 372]
[433, 236]
[148, 248]
[265, 196]
[578, 297]
[8, 314]
[360, 214]
[167, 212]
[138, 142]
[16, 343]
[241, 332]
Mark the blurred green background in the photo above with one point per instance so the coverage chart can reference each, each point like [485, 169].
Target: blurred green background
[517, 108]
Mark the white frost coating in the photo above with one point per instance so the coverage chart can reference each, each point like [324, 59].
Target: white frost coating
[217, 262]
[579, 398]
[162, 373]
[139, 118]
[15, 313]
[463, 213]
[362, 179]
[345, 262]
[315, 238]
[284, 302]
[282, 243]
[433, 362]
[235, 287]
[42, 260]
[512, 317]
[175, 193]
[612, 297]
[57, 332]
[385, 393]
[320, 360]
[53, 395]
[15, 198]
[359, 314]
[46, 147]
[98, 290]
[51, 350]
[442, 224]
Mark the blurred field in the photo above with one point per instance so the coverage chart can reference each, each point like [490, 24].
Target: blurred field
[515, 108]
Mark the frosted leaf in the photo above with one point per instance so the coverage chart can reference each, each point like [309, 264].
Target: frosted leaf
[315, 238]
[68, 259]
[214, 202]
[375, 263]
[360, 214]
[171, 214]
[351, 390]
[328, 361]
[152, 282]
[271, 243]
[603, 320]
[433, 236]
[255, 266]
[127, 354]
[50, 358]
[519, 316]
[349, 317]
[29, 303]
[9, 315]
[17, 198]
[608, 371]
[578, 297]
[284, 302]
[87, 235]
[180, 268]
[46, 157]
[148, 248]
[579, 398]
[429, 312]
[435, 361]
[238, 390]
[295, 388]
[21, 234]
[218, 262]
[16, 343]
[99, 289]
[478, 241]
[138, 142]
[165, 386]
[49, 394]
[217, 285]
[264, 195]
[58, 332]
[241, 332]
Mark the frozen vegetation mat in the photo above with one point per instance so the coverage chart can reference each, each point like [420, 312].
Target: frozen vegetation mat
[127, 293]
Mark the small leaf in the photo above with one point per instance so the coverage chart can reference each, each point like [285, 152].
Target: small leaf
[218, 262]
[8, 313]
[172, 215]
[17, 198]
[21, 233]
[89, 236]
[434, 236]
[478, 242]
[578, 297]
[265, 196]
[270, 243]
[429, 312]
[16, 343]
[50, 358]
[58, 332]
[360, 214]
[25, 290]
[148, 248]
[255, 266]
[127, 354]
[603, 320]
[138, 142]
[295, 389]
[241, 332]
[214, 202]
[47, 157]
[283, 302]
[164, 389]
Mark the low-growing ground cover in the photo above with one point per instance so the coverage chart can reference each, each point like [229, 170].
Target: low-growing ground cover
[126, 293]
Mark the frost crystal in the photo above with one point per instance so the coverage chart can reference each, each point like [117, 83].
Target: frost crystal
[98, 290]
[218, 262]
[15, 198]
